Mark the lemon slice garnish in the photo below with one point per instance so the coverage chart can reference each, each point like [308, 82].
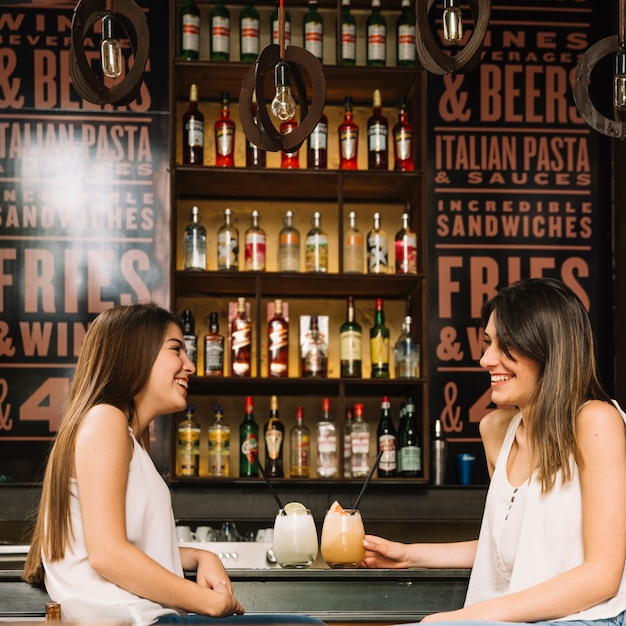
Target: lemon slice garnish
[294, 508]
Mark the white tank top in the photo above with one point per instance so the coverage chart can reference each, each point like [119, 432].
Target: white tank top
[84, 595]
[545, 537]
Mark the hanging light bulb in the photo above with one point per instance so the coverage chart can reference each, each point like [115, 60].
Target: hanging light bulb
[452, 22]
[619, 80]
[283, 104]
[110, 49]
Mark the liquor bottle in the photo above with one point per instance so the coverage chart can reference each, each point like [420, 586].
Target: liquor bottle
[401, 427]
[438, 456]
[313, 31]
[379, 343]
[376, 46]
[316, 246]
[274, 432]
[360, 440]
[255, 245]
[213, 348]
[348, 35]
[403, 140]
[405, 36]
[387, 441]
[194, 243]
[353, 247]
[278, 343]
[300, 447]
[193, 131]
[249, 33]
[228, 244]
[187, 324]
[377, 249]
[326, 443]
[248, 442]
[409, 447]
[348, 139]
[189, 20]
[224, 136]
[188, 448]
[317, 152]
[406, 248]
[289, 160]
[240, 342]
[407, 353]
[350, 344]
[219, 445]
[274, 27]
[219, 20]
[347, 443]
[314, 361]
[288, 245]
[377, 131]
[255, 157]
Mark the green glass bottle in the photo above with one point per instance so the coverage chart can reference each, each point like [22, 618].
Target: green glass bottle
[313, 31]
[249, 30]
[189, 31]
[350, 341]
[248, 442]
[348, 35]
[376, 42]
[219, 21]
[379, 343]
[405, 36]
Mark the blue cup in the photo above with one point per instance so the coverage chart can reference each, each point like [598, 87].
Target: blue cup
[465, 467]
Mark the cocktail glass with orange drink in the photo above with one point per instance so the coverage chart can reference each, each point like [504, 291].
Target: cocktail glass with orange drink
[342, 537]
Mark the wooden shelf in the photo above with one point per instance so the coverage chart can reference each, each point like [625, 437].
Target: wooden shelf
[213, 77]
[351, 387]
[278, 184]
[273, 284]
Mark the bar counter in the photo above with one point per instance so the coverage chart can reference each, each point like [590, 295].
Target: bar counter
[349, 596]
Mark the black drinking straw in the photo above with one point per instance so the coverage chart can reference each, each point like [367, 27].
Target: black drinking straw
[367, 482]
[267, 480]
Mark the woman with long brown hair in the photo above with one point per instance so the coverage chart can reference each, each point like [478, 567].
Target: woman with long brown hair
[105, 540]
[552, 544]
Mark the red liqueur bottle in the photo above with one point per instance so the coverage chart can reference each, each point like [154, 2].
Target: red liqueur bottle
[225, 136]
[403, 140]
[348, 139]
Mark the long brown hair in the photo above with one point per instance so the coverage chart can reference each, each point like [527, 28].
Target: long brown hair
[542, 319]
[114, 364]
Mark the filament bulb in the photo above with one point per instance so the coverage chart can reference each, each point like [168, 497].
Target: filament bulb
[619, 81]
[283, 105]
[110, 50]
[452, 22]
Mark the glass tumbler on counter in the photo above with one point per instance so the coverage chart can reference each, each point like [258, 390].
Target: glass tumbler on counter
[295, 539]
[342, 538]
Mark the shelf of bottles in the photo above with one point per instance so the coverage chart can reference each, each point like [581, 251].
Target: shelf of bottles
[376, 100]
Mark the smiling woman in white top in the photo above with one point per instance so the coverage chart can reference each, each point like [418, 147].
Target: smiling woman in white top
[105, 540]
[552, 545]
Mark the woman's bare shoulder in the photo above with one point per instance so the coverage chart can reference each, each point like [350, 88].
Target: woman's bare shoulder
[493, 428]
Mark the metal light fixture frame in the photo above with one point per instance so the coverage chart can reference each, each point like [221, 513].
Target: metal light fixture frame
[89, 85]
[265, 135]
[430, 53]
[599, 50]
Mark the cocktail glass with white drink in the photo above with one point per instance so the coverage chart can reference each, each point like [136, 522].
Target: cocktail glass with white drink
[295, 537]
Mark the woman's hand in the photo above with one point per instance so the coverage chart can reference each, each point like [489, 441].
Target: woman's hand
[211, 574]
[382, 553]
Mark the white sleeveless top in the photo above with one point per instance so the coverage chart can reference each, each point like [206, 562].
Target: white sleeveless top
[84, 595]
[532, 538]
